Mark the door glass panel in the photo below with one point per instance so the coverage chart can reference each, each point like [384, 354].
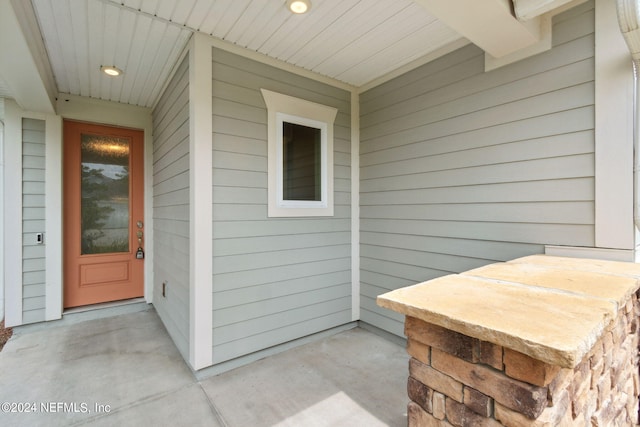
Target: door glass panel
[105, 194]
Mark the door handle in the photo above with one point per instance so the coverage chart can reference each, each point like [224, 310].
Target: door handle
[139, 234]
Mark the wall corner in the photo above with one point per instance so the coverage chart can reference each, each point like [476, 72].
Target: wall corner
[53, 215]
[201, 202]
[12, 214]
[355, 206]
[613, 133]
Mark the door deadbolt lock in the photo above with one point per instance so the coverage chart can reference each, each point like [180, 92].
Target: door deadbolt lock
[139, 234]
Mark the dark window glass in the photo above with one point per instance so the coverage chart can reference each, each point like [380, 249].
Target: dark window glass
[301, 168]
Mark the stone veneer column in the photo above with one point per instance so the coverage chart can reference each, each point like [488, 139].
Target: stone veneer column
[456, 379]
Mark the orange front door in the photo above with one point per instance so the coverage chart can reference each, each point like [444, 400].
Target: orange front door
[103, 214]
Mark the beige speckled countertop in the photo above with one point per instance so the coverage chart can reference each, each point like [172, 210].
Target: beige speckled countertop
[553, 309]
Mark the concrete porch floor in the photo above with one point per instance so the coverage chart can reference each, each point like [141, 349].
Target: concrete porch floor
[125, 370]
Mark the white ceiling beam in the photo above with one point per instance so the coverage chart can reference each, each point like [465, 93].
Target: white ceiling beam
[489, 24]
[528, 9]
[23, 60]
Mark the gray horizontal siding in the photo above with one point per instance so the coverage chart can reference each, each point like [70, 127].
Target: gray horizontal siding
[171, 207]
[274, 279]
[460, 168]
[33, 220]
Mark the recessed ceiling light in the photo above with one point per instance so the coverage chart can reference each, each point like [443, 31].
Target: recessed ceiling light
[299, 6]
[111, 70]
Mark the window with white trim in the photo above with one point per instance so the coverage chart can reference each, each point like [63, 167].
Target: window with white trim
[300, 156]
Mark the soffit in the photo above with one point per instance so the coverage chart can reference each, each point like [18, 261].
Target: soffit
[357, 42]
[82, 35]
[353, 41]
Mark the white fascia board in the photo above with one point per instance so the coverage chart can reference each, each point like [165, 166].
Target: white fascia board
[545, 43]
[528, 9]
[18, 65]
[488, 24]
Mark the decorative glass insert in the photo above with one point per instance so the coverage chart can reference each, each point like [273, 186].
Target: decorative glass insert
[301, 162]
[105, 194]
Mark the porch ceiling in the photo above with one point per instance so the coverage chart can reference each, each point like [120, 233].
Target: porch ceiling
[353, 41]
